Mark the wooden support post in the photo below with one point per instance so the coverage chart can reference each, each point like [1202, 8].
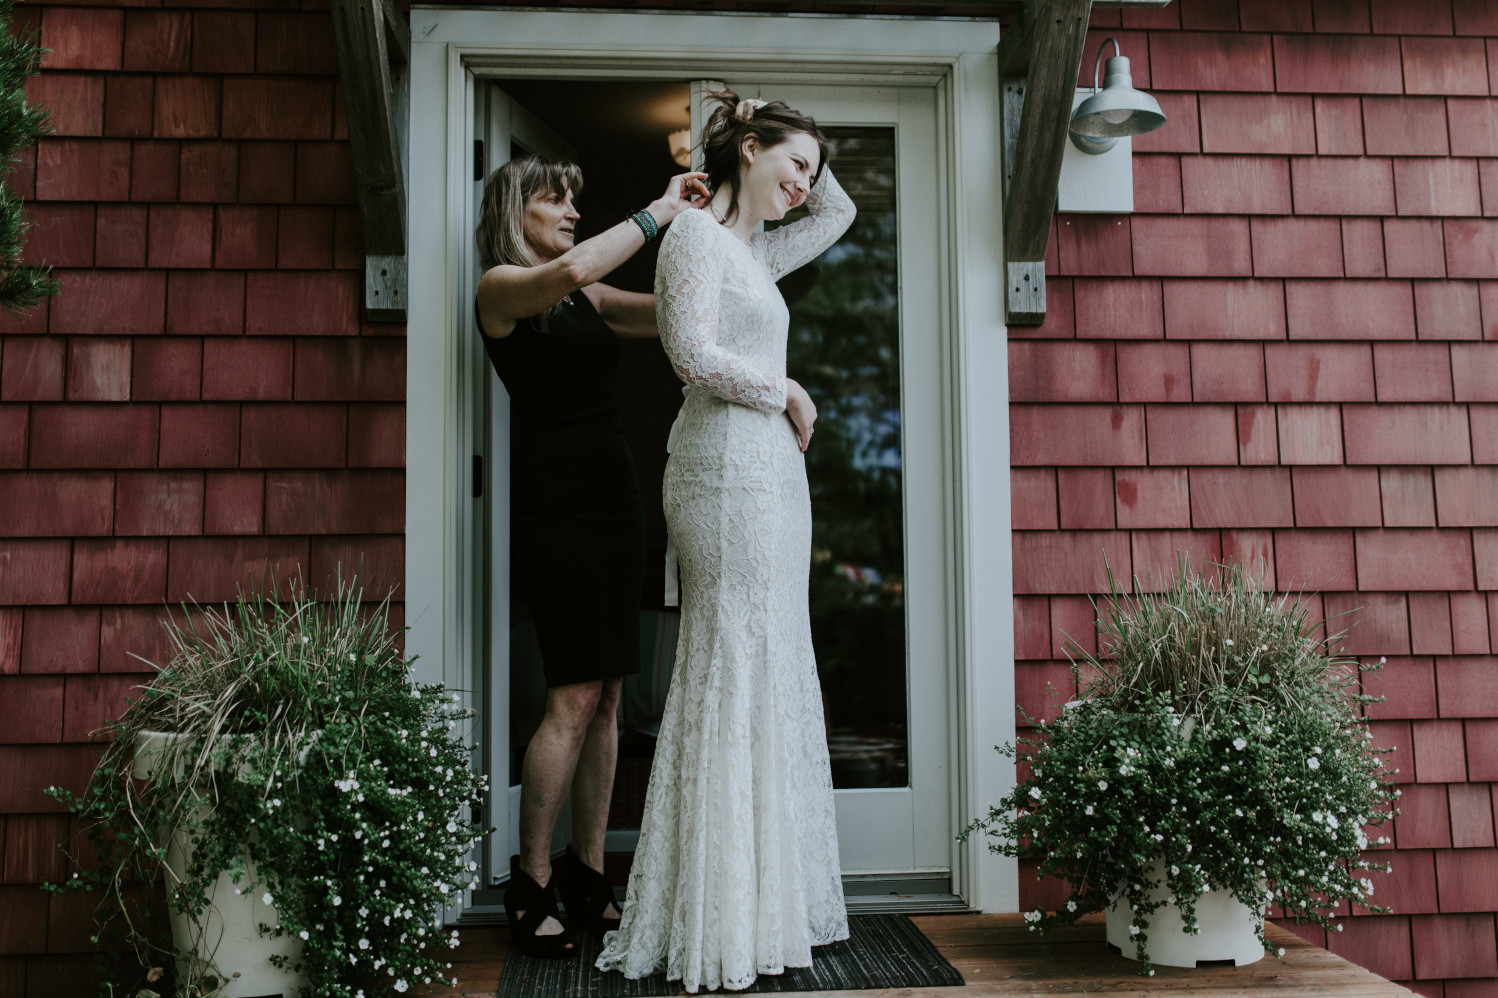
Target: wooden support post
[1038, 75]
[374, 46]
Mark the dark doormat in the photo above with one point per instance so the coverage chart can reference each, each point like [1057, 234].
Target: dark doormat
[882, 951]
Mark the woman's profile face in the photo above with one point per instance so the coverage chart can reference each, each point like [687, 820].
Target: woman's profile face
[550, 221]
[777, 178]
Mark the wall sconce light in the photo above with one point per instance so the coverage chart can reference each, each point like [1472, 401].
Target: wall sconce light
[1115, 111]
[681, 147]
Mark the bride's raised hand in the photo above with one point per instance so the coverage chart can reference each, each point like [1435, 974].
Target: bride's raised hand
[678, 197]
[801, 411]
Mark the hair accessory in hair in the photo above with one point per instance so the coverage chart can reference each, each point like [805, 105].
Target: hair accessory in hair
[746, 108]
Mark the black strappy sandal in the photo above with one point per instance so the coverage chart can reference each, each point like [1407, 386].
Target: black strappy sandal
[524, 894]
[586, 894]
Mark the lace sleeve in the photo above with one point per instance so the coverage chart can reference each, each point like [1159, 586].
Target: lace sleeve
[784, 249]
[688, 284]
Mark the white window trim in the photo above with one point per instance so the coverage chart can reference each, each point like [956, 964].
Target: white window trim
[959, 58]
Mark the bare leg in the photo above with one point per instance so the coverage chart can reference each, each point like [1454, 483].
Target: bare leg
[550, 760]
[593, 783]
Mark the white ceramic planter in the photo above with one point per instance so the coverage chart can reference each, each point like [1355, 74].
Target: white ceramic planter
[225, 938]
[1227, 929]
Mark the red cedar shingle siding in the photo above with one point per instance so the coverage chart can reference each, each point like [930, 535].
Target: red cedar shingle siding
[201, 399]
[1306, 354]
[1288, 354]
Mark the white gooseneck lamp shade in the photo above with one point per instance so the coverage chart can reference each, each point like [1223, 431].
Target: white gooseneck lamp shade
[1116, 110]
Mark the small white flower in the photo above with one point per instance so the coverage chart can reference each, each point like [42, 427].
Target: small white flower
[1133, 930]
[1071, 906]
[1240, 744]
[337, 900]
[1089, 809]
[1228, 642]
[401, 985]
[1102, 784]
[265, 898]
[1313, 763]
[364, 944]
[305, 934]
[1034, 792]
[1280, 951]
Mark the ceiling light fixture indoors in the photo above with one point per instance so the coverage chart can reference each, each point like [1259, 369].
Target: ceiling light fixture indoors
[681, 147]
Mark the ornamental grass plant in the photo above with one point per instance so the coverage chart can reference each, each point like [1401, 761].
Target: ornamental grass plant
[311, 768]
[1217, 732]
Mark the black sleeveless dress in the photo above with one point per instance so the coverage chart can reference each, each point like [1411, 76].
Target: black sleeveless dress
[577, 527]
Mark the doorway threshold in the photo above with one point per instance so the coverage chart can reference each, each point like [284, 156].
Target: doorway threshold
[863, 894]
[902, 894]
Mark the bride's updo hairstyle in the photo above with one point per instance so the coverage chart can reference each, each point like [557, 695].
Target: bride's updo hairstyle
[734, 120]
[500, 236]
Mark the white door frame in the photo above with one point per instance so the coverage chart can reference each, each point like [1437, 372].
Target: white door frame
[958, 58]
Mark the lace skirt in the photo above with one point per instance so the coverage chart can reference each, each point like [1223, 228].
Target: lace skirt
[737, 870]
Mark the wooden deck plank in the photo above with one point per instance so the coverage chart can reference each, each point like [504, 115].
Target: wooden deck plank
[999, 958]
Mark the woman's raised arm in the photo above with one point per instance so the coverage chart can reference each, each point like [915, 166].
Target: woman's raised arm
[508, 293]
[784, 249]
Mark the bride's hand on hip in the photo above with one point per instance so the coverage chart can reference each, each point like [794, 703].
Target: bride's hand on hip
[801, 411]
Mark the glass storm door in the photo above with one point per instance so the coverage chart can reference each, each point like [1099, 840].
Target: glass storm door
[865, 342]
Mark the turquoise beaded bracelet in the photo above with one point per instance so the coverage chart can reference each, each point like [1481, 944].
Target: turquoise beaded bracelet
[647, 225]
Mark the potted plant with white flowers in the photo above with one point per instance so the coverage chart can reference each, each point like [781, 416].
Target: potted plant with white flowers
[1215, 762]
[302, 804]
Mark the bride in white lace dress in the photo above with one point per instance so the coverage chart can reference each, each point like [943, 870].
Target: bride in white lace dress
[736, 873]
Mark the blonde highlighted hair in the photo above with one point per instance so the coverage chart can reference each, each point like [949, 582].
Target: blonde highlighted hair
[500, 236]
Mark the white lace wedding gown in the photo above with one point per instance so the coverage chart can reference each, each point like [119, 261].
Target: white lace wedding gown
[736, 873]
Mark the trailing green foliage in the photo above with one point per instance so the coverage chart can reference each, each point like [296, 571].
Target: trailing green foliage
[22, 288]
[310, 767]
[1215, 733]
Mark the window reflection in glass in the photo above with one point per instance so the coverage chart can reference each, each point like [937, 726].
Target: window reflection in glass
[845, 349]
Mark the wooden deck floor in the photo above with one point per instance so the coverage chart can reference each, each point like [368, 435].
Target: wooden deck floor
[999, 958]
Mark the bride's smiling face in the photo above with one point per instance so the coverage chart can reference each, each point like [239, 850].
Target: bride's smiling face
[775, 179]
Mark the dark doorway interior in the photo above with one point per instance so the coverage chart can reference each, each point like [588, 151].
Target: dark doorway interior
[621, 132]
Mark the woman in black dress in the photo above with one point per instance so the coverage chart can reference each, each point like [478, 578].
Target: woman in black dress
[577, 544]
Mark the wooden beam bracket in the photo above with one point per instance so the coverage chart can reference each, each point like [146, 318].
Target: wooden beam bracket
[1039, 59]
[374, 53]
